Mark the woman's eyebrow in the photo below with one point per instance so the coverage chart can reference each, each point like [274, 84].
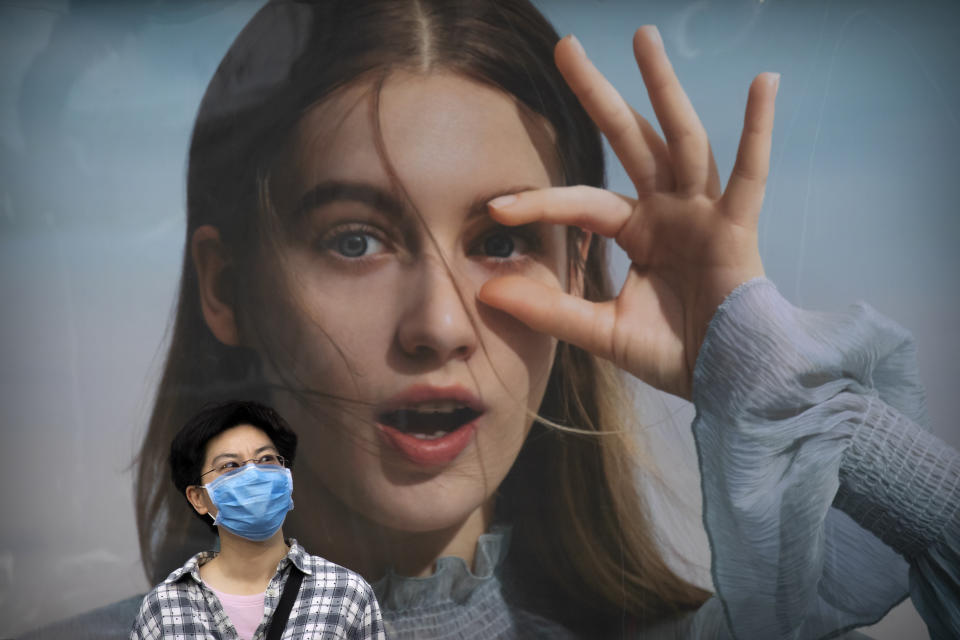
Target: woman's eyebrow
[223, 455]
[343, 191]
[236, 455]
[265, 447]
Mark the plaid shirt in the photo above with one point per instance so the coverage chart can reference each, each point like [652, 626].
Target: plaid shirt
[333, 603]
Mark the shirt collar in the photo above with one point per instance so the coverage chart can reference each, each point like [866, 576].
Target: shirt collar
[297, 555]
[451, 581]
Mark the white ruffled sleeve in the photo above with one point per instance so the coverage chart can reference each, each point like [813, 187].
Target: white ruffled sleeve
[786, 401]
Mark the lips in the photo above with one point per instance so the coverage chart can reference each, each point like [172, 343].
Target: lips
[429, 421]
[430, 426]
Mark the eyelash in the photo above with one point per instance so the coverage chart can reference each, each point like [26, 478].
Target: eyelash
[530, 241]
[330, 240]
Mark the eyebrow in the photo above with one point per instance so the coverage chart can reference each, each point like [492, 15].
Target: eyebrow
[237, 455]
[381, 199]
[343, 191]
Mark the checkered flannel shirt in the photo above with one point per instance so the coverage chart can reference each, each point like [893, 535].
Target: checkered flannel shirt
[333, 603]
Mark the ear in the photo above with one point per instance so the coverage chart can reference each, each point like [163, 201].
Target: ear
[213, 273]
[196, 498]
[576, 275]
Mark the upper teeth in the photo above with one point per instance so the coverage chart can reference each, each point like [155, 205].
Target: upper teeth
[443, 406]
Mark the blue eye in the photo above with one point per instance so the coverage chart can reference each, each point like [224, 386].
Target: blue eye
[354, 243]
[498, 245]
[508, 243]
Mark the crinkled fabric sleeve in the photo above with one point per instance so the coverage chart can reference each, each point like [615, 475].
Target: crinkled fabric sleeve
[781, 394]
[903, 484]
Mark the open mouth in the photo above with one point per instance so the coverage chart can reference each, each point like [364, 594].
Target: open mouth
[429, 420]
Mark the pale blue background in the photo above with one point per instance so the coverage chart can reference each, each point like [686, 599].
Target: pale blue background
[96, 104]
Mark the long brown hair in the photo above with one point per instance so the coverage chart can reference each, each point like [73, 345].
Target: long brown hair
[582, 542]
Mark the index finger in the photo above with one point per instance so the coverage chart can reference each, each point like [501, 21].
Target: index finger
[589, 208]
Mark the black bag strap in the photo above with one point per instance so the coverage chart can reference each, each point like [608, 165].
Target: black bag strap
[290, 590]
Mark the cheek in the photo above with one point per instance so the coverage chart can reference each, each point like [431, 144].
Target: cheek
[532, 351]
[317, 332]
[520, 357]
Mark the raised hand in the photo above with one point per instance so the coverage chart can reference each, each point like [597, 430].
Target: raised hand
[689, 242]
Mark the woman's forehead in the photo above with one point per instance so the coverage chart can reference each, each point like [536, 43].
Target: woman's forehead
[432, 128]
[239, 439]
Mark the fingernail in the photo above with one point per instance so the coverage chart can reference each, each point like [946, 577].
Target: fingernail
[576, 43]
[774, 81]
[502, 202]
[653, 34]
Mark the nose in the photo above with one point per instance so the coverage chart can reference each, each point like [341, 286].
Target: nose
[435, 323]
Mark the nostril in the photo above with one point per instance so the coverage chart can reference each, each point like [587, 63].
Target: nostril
[435, 324]
[426, 351]
[422, 351]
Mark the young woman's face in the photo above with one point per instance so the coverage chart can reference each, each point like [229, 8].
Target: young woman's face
[228, 451]
[375, 305]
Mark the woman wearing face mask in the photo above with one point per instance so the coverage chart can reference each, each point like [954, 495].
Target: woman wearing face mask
[232, 463]
[449, 356]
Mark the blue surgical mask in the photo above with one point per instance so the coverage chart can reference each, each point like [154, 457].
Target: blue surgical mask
[252, 502]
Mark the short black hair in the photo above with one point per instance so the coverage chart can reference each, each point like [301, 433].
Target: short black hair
[189, 447]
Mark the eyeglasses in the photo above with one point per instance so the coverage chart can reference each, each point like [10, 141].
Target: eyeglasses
[268, 459]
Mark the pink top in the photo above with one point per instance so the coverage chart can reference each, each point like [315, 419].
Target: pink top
[245, 612]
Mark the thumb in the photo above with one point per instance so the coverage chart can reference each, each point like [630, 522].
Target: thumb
[588, 325]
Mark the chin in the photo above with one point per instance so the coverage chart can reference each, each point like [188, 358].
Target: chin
[434, 505]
